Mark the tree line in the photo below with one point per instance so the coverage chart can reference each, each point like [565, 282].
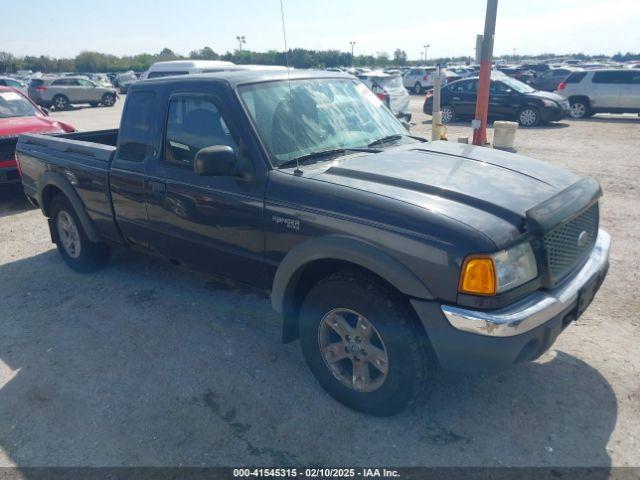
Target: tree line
[298, 57]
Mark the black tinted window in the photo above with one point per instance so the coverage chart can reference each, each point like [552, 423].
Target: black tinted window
[193, 124]
[615, 77]
[61, 82]
[36, 82]
[165, 74]
[136, 126]
[576, 77]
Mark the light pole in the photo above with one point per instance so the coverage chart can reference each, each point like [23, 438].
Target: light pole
[426, 50]
[241, 41]
[352, 45]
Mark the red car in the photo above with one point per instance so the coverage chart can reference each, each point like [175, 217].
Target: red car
[18, 114]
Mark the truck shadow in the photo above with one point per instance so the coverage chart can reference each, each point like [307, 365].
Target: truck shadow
[146, 364]
[13, 200]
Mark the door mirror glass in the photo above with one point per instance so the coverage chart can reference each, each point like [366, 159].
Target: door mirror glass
[217, 160]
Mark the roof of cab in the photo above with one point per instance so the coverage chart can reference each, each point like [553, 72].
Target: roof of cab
[241, 77]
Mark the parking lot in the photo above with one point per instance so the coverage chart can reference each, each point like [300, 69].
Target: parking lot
[148, 364]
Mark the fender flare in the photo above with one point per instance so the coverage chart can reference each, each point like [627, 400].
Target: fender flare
[338, 247]
[58, 180]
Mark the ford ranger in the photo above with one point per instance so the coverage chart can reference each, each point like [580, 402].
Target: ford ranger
[388, 256]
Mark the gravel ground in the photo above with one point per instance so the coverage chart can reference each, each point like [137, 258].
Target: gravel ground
[148, 364]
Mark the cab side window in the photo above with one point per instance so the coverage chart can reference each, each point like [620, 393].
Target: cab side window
[193, 123]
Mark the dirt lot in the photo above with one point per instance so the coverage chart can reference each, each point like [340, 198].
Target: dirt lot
[148, 364]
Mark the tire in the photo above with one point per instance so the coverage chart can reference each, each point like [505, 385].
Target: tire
[448, 114]
[60, 102]
[80, 253]
[529, 117]
[108, 100]
[356, 300]
[417, 88]
[580, 109]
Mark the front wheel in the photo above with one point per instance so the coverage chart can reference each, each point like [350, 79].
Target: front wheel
[108, 99]
[362, 344]
[529, 117]
[75, 248]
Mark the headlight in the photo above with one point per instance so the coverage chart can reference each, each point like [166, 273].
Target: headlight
[549, 103]
[502, 271]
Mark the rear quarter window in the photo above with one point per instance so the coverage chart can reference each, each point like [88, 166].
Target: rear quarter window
[135, 131]
[576, 77]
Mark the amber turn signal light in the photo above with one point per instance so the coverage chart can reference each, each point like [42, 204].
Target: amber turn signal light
[478, 276]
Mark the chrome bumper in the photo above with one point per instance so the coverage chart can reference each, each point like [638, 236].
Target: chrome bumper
[535, 309]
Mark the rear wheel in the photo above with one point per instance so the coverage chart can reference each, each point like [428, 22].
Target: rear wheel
[80, 253]
[108, 99]
[529, 117]
[448, 114]
[60, 102]
[417, 88]
[362, 344]
[579, 109]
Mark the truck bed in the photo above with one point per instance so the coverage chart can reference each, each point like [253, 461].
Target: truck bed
[82, 158]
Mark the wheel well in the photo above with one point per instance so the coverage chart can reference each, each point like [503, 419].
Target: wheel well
[580, 97]
[309, 276]
[48, 193]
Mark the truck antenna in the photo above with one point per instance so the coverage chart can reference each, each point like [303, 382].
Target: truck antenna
[297, 171]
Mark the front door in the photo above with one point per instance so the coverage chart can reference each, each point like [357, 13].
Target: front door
[503, 100]
[214, 223]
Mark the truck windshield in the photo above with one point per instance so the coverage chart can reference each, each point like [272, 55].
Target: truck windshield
[12, 104]
[301, 117]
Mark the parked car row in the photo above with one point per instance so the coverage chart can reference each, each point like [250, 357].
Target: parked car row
[18, 115]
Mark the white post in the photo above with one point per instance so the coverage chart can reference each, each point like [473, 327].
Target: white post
[436, 116]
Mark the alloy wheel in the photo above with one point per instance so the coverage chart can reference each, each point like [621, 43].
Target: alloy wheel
[528, 117]
[68, 234]
[353, 350]
[447, 115]
[578, 110]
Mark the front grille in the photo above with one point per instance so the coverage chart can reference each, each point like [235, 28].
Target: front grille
[568, 244]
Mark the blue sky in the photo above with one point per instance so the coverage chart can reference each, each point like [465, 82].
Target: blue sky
[64, 28]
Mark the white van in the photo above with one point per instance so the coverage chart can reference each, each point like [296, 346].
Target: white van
[188, 67]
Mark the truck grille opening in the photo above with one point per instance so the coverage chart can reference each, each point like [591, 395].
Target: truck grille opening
[568, 244]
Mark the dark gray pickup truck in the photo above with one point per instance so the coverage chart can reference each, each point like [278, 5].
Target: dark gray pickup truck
[388, 256]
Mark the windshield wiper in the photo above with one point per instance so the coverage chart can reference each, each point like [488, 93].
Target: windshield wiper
[324, 153]
[394, 138]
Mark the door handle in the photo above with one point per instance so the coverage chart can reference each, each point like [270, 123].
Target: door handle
[158, 187]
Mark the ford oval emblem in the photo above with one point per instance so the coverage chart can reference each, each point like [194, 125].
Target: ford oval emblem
[583, 238]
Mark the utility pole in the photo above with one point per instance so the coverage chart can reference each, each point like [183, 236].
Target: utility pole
[352, 45]
[426, 50]
[241, 41]
[486, 63]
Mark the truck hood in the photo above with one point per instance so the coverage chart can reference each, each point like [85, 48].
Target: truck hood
[478, 186]
[17, 125]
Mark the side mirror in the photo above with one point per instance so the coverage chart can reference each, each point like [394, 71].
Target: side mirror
[405, 123]
[45, 111]
[218, 160]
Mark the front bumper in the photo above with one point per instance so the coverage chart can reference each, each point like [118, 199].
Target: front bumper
[473, 340]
